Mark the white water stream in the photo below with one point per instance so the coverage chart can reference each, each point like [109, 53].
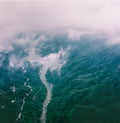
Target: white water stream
[48, 95]
[24, 100]
[52, 62]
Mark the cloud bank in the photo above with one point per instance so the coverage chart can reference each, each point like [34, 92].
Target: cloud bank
[50, 14]
[91, 15]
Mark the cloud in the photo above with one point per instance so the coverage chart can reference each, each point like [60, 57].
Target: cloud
[14, 62]
[51, 13]
[26, 16]
[53, 61]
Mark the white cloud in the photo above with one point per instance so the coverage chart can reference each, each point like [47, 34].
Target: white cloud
[53, 61]
[15, 62]
[40, 14]
[26, 16]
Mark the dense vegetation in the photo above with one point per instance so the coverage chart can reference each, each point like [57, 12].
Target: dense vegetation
[87, 90]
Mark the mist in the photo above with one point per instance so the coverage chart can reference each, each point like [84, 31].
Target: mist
[44, 15]
[75, 18]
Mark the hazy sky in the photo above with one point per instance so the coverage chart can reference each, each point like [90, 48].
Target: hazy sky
[32, 15]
